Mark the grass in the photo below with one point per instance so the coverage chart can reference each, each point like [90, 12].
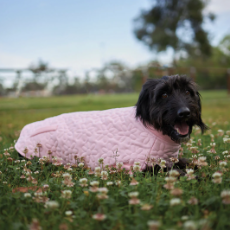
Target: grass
[22, 201]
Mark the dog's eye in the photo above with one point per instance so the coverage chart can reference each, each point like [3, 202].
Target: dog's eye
[187, 92]
[165, 95]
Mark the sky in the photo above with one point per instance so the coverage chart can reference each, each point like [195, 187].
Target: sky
[80, 35]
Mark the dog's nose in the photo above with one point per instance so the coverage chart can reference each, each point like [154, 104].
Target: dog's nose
[183, 112]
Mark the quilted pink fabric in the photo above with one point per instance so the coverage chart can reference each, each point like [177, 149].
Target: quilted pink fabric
[97, 134]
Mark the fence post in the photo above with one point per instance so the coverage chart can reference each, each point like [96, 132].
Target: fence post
[228, 81]
[193, 73]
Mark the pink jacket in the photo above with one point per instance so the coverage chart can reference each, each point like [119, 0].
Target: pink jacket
[97, 134]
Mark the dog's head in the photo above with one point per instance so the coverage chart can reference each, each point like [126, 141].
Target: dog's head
[171, 105]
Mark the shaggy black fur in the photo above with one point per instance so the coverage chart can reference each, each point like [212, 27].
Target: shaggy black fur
[170, 102]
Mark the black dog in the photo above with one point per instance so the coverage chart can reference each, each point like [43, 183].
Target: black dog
[171, 105]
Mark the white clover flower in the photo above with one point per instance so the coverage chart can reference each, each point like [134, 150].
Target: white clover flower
[66, 176]
[81, 164]
[184, 218]
[174, 173]
[68, 213]
[213, 144]
[133, 194]
[153, 224]
[36, 172]
[66, 194]
[27, 195]
[216, 175]
[100, 160]
[52, 204]
[137, 163]
[109, 183]
[94, 183]
[83, 182]
[104, 173]
[119, 164]
[103, 190]
[190, 225]
[118, 182]
[190, 171]
[222, 163]
[5, 182]
[97, 169]
[136, 168]
[69, 169]
[226, 140]
[225, 194]
[225, 152]
[46, 186]
[170, 179]
[228, 132]
[175, 201]
[162, 164]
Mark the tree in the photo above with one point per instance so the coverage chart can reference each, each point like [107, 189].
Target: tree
[176, 24]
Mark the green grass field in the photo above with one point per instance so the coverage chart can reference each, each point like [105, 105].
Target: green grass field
[199, 206]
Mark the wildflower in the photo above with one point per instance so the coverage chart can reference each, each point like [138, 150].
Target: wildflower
[118, 182]
[90, 172]
[153, 224]
[133, 196]
[98, 171]
[104, 175]
[103, 190]
[119, 164]
[222, 164]
[39, 145]
[99, 217]
[68, 213]
[225, 152]
[226, 140]
[22, 177]
[225, 195]
[36, 172]
[83, 182]
[146, 207]
[67, 180]
[134, 182]
[217, 178]
[217, 157]
[66, 194]
[194, 150]
[190, 225]
[162, 164]
[109, 183]
[27, 195]
[52, 204]
[228, 132]
[174, 173]
[46, 186]
[35, 225]
[137, 163]
[175, 201]
[220, 132]
[4, 182]
[57, 161]
[17, 161]
[176, 192]
[100, 160]
[102, 193]
[49, 152]
[94, 183]
[6, 153]
[202, 161]
[81, 164]
[199, 142]
[136, 168]
[184, 218]
[193, 201]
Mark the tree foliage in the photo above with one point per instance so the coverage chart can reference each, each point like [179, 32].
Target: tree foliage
[175, 23]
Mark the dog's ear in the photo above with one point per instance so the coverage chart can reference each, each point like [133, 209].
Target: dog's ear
[144, 100]
[201, 124]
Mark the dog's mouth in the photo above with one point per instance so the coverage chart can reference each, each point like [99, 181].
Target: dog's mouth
[182, 128]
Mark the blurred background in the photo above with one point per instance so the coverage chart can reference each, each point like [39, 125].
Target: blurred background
[99, 46]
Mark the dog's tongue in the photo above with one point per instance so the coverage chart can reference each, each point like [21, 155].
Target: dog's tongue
[182, 128]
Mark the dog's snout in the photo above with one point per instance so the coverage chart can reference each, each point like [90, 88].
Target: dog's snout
[183, 112]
